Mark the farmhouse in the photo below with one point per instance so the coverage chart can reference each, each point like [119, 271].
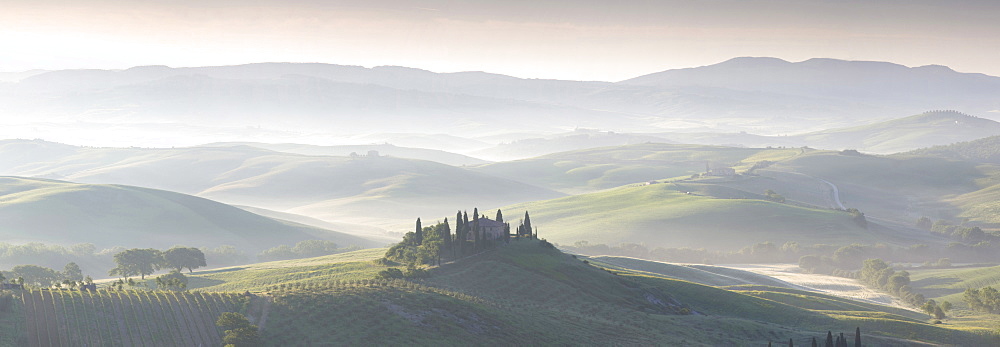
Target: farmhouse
[489, 229]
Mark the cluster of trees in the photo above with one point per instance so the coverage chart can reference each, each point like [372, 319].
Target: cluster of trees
[772, 196]
[879, 274]
[40, 276]
[967, 234]
[986, 299]
[303, 249]
[145, 261]
[239, 332]
[429, 245]
[175, 281]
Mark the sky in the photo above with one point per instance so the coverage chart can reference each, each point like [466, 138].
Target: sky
[565, 39]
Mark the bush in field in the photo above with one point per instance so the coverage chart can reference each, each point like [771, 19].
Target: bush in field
[174, 280]
[239, 331]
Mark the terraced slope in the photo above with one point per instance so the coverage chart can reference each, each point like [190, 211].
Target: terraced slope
[130, 318]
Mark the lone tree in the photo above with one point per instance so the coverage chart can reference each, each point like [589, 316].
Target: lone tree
[178, 258]
[239, 331]
[137, 262]
[419, 233]
[72, 272]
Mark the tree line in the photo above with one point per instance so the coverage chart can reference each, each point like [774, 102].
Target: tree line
[145, 261]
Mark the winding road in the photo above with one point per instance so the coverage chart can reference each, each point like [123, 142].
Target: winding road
[836, 193]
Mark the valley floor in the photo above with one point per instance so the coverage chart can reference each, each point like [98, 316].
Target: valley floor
[832, 285]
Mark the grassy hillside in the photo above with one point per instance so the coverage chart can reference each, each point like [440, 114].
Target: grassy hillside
[905, 134]
[606, 167]
[35, 210]
[984, 150]
[660, 215]
[522, 293]
[527, 294]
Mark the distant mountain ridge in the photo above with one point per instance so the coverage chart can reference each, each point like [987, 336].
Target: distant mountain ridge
[759, 95]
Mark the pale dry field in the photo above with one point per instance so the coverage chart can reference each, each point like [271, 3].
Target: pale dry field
[826, 284]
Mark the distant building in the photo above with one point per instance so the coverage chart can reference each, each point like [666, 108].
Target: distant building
[722, 171]
[489, 229]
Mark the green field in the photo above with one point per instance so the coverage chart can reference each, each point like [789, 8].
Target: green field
[663, 215]
[599, 168]
[522, 293]
[49, 211]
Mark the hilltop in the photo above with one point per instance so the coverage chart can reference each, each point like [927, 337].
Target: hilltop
[58, 212]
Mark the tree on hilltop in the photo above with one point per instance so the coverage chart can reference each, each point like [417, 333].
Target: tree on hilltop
[178, 258]
[420, 233]
[137, 262]
[499, 216]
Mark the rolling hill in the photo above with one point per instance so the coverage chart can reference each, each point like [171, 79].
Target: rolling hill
[660, 215]
[379, 191]
[522, 293]
[905, 134]
[384, 149]
[600, 168]
[36, 210]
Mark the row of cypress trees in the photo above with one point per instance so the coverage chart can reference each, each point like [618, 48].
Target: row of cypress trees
[840, 340]
[430, 244]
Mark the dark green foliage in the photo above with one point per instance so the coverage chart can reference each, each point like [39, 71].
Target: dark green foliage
[829, 339]
[174, 280]
[499, 217]
[814, 344]
[239, 331]
[985, 299]
[419, 238]
[137, 262]
[772, 196]
[858, 217]
[184, 258]
[35, 275]
[72, 272]
[857, 337]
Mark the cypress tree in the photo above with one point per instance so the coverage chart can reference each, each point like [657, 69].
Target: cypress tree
[459, 234]
[506, 232]
[466, 231]
[499, 216]
[477, 242]
[857, 337]
[419, 233]
[829, 339]
[843, 340]
[447, 235]
[814, 342]
[790, 343]
[527, 224]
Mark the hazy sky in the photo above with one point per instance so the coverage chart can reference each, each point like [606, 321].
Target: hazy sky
[569, 39]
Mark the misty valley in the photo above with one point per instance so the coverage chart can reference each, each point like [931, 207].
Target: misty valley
[753, 202]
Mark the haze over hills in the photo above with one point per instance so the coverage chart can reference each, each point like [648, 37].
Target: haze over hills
[892, 136]
[765, 96]
[346, 150]
[379, 191]
[58, 212]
